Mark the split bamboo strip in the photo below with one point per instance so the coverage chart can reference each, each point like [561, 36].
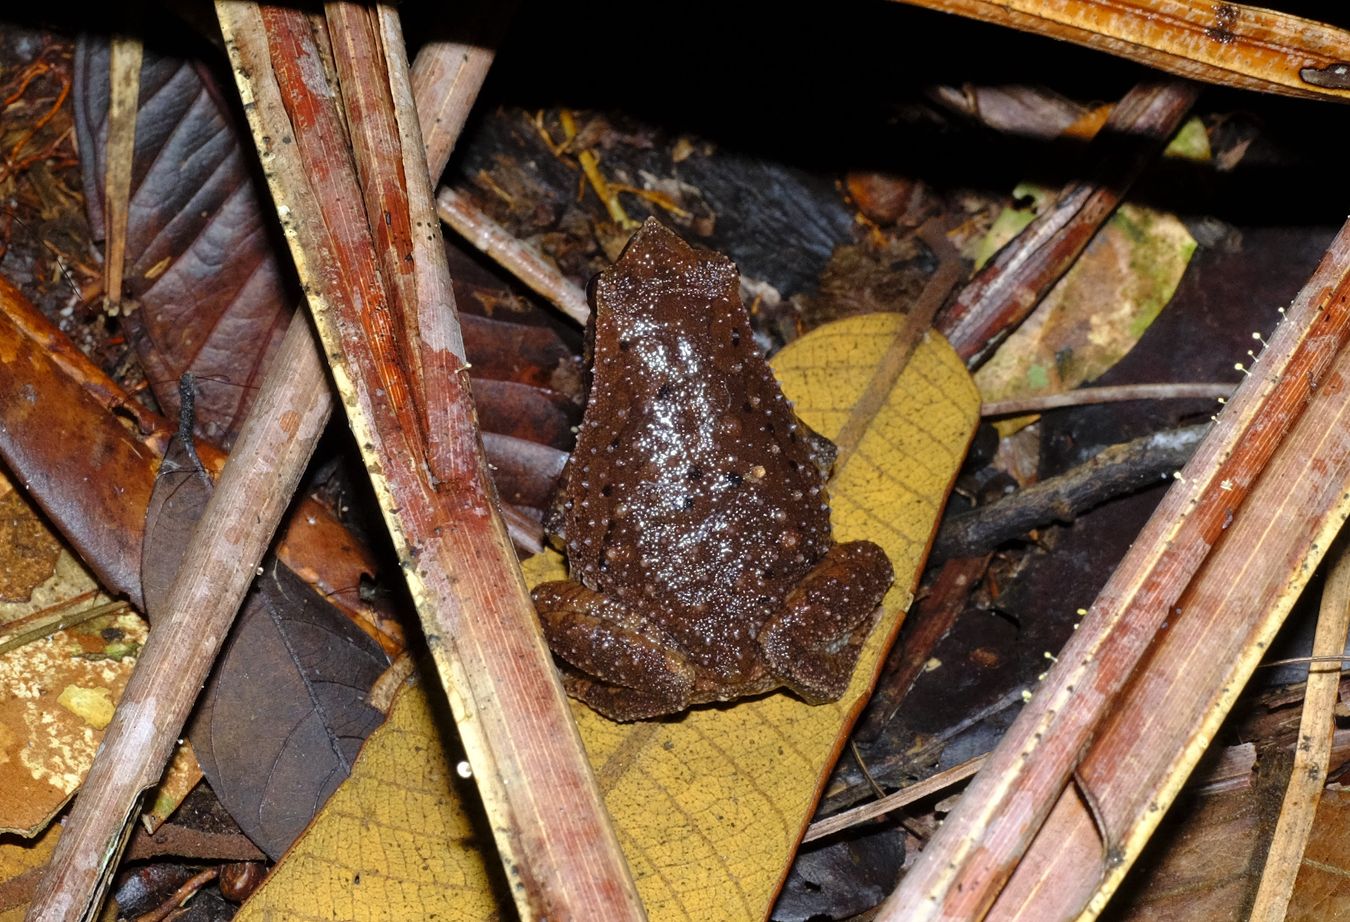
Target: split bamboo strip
[1312, 754]
[124, 81]
[1230, 44]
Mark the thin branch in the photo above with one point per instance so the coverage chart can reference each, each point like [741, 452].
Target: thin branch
[520, 259]
[1115, 471]
[1087, 396]
[901, 798]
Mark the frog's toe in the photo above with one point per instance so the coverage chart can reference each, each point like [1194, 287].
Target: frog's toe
[812, 644]
[618, 662]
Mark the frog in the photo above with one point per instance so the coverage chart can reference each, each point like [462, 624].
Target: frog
[693, 510]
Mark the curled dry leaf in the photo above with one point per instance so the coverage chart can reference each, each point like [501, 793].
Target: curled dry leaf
[708, 808]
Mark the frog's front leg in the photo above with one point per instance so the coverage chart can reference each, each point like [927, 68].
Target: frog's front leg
[812, 643]
[623, 669]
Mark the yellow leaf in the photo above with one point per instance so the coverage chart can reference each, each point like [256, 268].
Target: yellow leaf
[708, 807]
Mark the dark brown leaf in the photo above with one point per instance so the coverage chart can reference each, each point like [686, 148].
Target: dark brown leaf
[213, 297]
[201, 262]
[285, 711]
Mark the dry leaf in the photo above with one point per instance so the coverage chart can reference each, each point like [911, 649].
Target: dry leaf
[57, 693]
[1322, 890]
[1097, 312]
[21, 864]
[708, 807]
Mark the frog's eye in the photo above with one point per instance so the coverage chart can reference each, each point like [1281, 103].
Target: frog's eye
[735, 337]
[694, 474]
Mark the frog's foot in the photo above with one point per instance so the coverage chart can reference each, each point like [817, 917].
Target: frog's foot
[812, 643]
[619, 663]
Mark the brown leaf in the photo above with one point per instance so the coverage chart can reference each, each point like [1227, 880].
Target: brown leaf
[214, 300]
[285, 711]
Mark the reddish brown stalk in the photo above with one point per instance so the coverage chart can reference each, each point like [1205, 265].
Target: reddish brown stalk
[542, 801]
[1230, 44]
[1010, 803]
[931, 619]
[1004, 292]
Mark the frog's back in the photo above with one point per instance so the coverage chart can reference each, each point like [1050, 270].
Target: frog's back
[691, 493]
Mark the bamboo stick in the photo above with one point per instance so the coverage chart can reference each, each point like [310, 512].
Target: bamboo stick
[552, 832]
[1230, 44]
[1313, 752]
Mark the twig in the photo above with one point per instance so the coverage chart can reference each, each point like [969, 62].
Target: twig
[524, 262]
[917, 323]
[124, 67]
[1003, 293]
[1085, 396]
[54, 618]
[180, 896]
[1311, 755]
[1116, 471]
[933, 616]
[901, 798]
[1228, 44]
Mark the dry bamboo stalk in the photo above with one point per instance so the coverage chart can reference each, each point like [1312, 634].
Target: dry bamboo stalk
[965, 866]
[1311, 755]
[1216, 634]
[124, 72]
[446, 77]
[529, 267]
[545, 809]
[1225, 43]
[227, 544]
[1004, 292]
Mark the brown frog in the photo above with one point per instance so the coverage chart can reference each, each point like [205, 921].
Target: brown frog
[693, 508]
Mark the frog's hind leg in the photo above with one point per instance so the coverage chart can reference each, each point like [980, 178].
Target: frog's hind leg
[812, 643]
[617, 661]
